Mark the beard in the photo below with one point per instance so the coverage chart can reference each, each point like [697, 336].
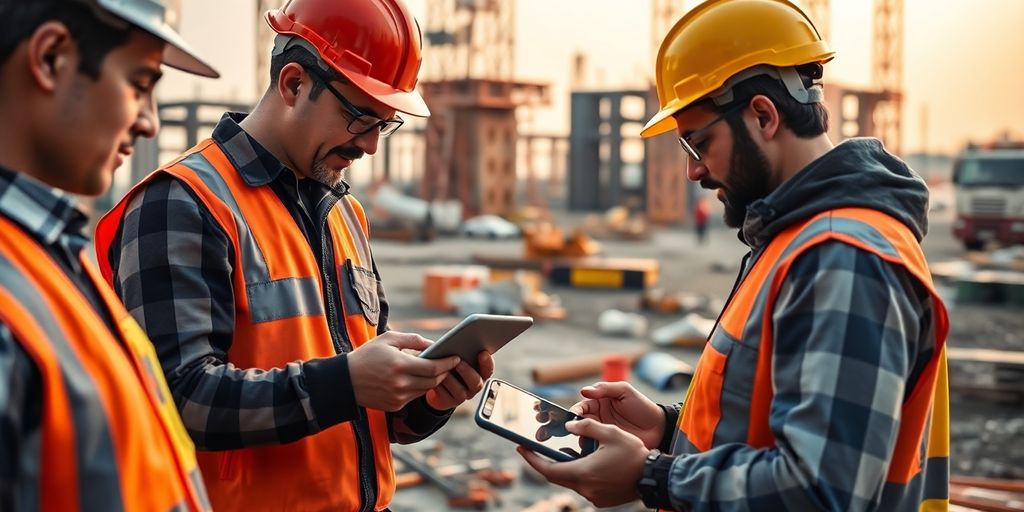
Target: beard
[330, 177]
[748, 180]
[333, 177]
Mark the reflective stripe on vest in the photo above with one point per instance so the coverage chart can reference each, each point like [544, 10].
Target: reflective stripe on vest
[280, 318]
[269, 299]
[111, 438]
[743, 339]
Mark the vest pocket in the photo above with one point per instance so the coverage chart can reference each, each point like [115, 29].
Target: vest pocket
[702, 410]
[361, 292]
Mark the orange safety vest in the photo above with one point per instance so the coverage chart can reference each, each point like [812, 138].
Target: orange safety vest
[111, 438]
[280, 318]
[711, 417]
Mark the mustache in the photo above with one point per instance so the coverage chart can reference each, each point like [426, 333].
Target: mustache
[707, 183]
[348, 153]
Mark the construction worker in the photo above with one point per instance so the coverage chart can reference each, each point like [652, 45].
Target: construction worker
[823, 384]
[248, 263]
[86, 421]
[701, 214]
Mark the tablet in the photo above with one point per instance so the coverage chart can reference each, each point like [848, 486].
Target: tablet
[476, 333]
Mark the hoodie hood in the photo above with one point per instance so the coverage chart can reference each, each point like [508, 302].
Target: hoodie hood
[856, 173]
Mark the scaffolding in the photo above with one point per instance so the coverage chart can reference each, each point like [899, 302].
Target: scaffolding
[472, 135]
[875, 111]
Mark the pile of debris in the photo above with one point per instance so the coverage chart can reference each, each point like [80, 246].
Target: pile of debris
[468, 289]
[547, 240]
[472, 477]
[985, 278]
[465, 484]
[993, 375]
[617, 223]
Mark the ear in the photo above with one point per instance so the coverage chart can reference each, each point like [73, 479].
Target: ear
[766, 115]
[291, 82]
[51, 53]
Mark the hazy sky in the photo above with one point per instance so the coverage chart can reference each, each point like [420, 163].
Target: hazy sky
[963, 59]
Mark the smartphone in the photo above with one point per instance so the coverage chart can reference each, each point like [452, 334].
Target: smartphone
[531, 421]
[477, 333]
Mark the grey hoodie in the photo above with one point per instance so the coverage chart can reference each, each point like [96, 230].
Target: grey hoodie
[856, 173]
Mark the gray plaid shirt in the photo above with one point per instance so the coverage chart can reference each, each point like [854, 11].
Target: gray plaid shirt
[173, 269]
[49, 216]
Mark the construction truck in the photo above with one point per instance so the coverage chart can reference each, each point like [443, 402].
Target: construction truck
[988, 181]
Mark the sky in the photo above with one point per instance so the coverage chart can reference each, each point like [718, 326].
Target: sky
[963, 60]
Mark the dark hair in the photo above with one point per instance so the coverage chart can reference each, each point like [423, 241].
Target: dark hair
[94, 37]
[311, 63]
[805, 120]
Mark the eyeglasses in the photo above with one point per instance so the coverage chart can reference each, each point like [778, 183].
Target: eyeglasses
[360, 122]
[687, 141]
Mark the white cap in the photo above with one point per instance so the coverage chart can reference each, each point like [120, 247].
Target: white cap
[151, 16]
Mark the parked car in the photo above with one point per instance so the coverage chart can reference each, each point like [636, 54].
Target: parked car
[489, 226]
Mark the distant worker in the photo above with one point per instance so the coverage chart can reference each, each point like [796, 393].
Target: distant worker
[823, 385]
[86, 420]
[248, 262]
[701, 215]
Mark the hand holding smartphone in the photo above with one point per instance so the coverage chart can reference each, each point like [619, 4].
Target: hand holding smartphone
[531, 421]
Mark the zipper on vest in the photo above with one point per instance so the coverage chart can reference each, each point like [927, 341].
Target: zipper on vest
[742, 274]
[342, 343]
[338, 336]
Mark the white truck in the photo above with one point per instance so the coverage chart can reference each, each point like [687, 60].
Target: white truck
[989, 186]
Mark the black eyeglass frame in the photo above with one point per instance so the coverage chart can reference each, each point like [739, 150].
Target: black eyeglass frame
[359, 118]
[685, 141]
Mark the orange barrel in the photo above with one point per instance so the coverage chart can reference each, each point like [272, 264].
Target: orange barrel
[615, 367]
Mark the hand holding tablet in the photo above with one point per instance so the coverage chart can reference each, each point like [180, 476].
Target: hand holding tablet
[477, 333]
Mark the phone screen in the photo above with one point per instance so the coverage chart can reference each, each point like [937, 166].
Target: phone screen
[532, 418]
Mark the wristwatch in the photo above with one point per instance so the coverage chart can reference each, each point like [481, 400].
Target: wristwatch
[647, 487]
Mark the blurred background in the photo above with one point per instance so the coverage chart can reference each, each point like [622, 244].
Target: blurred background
[529, 191]
[944, 71]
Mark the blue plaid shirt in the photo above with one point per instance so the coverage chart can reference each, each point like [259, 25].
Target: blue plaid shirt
[846, 350]
[852, 334]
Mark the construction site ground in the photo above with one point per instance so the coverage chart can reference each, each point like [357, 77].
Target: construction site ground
[987, 437]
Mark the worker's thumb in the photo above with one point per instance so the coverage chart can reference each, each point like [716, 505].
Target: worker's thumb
[591, 428]
[606, 390]
[406, 340]
[445, 365]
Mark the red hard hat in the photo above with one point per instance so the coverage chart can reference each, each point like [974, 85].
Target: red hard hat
[375, 44]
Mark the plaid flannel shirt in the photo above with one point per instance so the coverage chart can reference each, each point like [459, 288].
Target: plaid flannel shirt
[49, 216]
[851, 339]
[173, 269]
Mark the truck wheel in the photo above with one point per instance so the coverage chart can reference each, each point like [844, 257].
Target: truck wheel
[974, 245]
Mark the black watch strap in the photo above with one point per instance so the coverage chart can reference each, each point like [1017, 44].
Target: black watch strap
[653, 484]
[671, 413]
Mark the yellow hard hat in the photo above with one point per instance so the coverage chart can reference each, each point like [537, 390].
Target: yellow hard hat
[720, 39]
